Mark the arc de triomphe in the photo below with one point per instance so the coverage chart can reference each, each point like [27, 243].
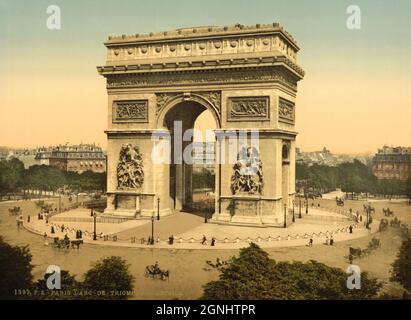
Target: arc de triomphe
[246, 76]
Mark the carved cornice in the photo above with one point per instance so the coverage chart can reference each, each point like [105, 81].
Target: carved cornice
[213, 77]
[193, 65]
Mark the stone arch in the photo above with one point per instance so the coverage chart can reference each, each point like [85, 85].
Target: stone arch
[187, 97]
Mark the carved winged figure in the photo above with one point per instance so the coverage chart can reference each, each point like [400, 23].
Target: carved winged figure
[130, 171]
[248, 173]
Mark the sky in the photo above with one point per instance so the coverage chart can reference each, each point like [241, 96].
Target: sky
[354, 98]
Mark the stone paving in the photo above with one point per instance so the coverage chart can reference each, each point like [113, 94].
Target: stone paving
[188, 231]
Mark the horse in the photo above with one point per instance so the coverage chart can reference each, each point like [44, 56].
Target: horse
[76, 243]
[356, 252]
[14, 211]
[154, 271]
[387, 212]
[61, 243]
[340, 202]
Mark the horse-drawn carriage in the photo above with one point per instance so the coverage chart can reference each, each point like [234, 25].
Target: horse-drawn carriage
[388, 212]
[358, 253]
[15, 211]
[66, 243]
[374, 244]
[154, 272]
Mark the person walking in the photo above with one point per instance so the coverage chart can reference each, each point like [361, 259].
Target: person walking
[212, 241]
[28, 219]
[310, 243]
[331, 240]
[204, 241]
[350, 228]
[46, 242]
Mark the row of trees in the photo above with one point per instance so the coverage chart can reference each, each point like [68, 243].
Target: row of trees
[14, 177]
[350, 177]
[254, 276]
[110, 275]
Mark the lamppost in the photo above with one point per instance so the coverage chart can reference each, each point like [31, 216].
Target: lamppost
[152, 229]
[306, 205]
[299, 211]
[368, 211]
[285, 216]
[158, 208]
[95, 224]
[293, 211]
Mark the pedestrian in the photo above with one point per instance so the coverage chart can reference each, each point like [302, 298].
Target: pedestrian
[28, 219]
[331, 240]
[204, 241]
[46, 241]
[212, 241]
[52, 230]
[350, 228]
[62, 228]
[149, 240]
[310, 243]
[327, 241]
[171, 240]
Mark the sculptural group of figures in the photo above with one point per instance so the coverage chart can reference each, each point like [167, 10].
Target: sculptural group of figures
[248, 173]
[130, 172]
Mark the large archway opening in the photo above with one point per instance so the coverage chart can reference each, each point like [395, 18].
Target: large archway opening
[192, 174]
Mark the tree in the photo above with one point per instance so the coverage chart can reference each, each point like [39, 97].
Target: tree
[401, 267]
[253, 275]
[408, 189]
[69, 285]
[11, 172]
[15, 269]
[110, 275]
